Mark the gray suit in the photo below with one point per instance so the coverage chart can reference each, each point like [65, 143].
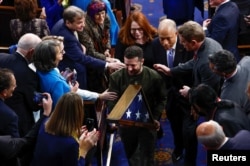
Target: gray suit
[200, 66]
[234, 88]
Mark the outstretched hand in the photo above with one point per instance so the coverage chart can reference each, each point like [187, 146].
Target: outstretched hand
[162, 68]
[115, 65]
[106, 95]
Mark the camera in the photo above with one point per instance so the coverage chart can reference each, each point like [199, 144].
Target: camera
[38, 97]
[90, 123]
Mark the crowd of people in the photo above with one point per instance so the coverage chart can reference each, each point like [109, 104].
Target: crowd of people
[64, 58]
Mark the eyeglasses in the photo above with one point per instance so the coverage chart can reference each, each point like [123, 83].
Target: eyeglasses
[136, 29]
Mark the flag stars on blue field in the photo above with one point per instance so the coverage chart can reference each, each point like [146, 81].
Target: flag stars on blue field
[137, 110]
[139, 97]
[128, 114]
[138, 114]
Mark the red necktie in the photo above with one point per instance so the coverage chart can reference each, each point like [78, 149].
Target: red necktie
[195, 57]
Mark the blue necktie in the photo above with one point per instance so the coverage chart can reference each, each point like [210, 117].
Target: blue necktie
[170, 58]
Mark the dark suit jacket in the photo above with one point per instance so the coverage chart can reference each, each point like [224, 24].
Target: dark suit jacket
[8, 121]
[27, 82]
[238, 142]
[230, 116]
[11, 148]
[173, 84]
[74, 57]
[224, 27]
[235, 87]
[200, 66]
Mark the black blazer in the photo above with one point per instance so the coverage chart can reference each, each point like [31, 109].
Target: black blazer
[11, 148]
[176, 82]
[27, 82]
[8, 121]
[181, 56]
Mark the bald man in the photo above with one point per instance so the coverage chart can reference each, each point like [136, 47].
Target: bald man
[178, 109]
[27, 82]
[212, 136]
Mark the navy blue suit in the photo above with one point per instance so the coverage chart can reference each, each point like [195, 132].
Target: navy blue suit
[224, 27]
[22, 99]
[74, 57]
[239, 142]
[8, 121]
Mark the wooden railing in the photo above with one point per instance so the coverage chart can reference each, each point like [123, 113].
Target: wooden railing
[244, 49]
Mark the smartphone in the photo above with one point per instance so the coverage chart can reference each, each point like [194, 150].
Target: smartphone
[70, 75]
[38, 97]
[90, 124]
[74, 77]
[66, 72]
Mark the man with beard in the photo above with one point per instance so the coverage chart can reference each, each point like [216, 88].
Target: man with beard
[139, 142]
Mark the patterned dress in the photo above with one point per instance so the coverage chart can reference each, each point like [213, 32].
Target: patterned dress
[36, 26]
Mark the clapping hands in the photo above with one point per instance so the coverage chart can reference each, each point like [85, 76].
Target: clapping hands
[87, 140]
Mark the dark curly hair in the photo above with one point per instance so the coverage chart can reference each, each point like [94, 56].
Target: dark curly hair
[26, 9]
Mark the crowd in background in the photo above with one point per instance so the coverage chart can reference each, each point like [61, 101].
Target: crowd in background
[75, 51]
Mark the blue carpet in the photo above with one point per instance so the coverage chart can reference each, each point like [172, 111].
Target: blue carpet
[163, 150]
[154, 11]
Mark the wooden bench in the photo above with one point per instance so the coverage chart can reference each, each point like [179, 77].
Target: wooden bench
[244, 49]
[4, 49]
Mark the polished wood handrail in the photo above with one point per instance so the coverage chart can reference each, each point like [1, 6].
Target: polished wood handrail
[4, 48]
[7, 8]
[244, 46]
[12, 8]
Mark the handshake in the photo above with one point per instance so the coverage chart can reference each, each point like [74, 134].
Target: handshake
[69, 75]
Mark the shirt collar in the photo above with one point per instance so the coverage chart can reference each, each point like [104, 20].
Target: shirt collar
[226, 139]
